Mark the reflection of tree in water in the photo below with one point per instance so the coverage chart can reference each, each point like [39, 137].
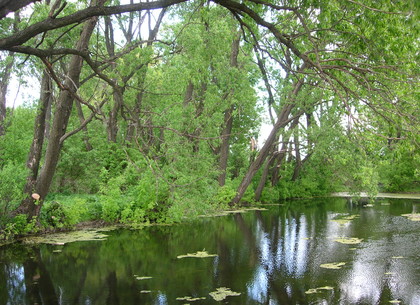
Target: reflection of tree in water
[28, 282]
[12, 286]
[263, 255]
[278, 243]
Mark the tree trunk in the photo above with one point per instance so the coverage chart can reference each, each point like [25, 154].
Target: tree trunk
[275, 176]
[61, 117]
[228, 120]
[282, 120]
[81, 116]
[224, 149]
[4, 83]
[263, 178]
[276, 159]
[113, 120]
[35, 152]
[298, 164]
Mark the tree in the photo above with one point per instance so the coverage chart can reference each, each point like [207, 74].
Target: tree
[40, 184]
[184, 105]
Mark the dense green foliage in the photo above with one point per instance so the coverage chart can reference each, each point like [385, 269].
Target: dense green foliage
[160, 100]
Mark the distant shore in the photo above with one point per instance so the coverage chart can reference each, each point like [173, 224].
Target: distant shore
[379, 195]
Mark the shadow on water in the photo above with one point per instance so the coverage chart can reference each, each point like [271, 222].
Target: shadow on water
[269, 257]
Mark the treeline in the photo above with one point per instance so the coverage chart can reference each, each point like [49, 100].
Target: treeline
[151, 112]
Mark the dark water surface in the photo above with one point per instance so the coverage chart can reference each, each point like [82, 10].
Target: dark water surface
[269, 257]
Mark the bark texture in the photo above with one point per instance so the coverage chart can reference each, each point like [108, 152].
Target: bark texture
[42, 182]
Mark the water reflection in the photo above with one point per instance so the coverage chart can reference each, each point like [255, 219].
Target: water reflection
[270, 257]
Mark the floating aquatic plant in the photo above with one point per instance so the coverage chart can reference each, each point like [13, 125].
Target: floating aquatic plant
[345, 220]
[333, 265]
[64, 238]
[221, 293]
[317, 290]
[230, 212]
[190, 299]
[198, 254]
[256, 209]
[141, 278]
[311, 291]
[348, 240]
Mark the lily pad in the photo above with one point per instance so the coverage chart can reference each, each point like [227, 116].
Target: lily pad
[141, 278]
[311, 291]
[190, 299]
[69, 237]
[221, 293]
[333, 265]
[317, 290]
[345, 220]
[256, 209]
[326, 288]
[198, 254]
[412, 216]
[348, 240]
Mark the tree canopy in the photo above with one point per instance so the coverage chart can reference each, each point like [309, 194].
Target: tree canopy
[156, 106]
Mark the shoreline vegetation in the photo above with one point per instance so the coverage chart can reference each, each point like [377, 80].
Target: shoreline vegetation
[91, 227]
[140, 118]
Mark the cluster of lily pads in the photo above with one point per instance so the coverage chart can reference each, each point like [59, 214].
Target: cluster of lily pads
[345, 220]
[220, 294]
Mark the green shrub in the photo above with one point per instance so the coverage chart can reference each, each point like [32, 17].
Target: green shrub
[18, 226]
[12, 179]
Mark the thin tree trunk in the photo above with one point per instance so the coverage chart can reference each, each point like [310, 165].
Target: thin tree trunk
[4, 83]
[61, 117]
[228, 120]
[224, 149]
[88, 146]
[263, 179]
[5, 79]
[35, 152]
[275, 176]
[282, 120]
[298, 164]
[276, 159]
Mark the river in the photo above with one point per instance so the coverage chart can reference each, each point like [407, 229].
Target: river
[318, 251]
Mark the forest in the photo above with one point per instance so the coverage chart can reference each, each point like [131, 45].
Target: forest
[160, 111]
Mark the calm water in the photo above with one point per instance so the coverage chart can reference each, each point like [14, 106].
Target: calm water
[269, 257]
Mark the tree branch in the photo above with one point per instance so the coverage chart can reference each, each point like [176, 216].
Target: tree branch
[51, 24]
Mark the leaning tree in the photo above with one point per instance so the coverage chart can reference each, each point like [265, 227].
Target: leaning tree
[362, 55]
